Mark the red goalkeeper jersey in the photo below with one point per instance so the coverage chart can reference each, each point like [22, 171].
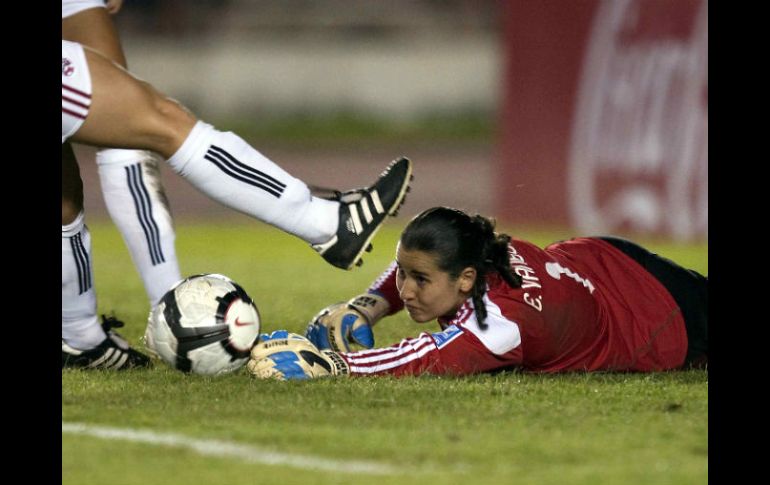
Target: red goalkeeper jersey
[583, 305]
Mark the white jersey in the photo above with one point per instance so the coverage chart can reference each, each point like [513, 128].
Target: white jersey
[71, 7]
[75, 88]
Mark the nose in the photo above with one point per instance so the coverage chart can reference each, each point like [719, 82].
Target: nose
[406, 291]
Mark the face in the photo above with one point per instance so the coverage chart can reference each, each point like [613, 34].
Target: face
[427, 291]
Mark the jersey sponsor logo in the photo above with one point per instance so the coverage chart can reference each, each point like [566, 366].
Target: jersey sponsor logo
[449, 334]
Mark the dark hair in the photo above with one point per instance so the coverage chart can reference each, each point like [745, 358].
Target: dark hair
[458, 241]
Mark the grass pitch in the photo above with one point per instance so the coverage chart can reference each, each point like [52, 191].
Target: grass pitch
[507, 428]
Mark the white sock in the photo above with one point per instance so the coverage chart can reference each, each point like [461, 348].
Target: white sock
[79, 326]
[137, 204]
[230, 171]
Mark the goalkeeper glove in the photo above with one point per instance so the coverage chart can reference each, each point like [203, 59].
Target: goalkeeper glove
[344, 326]
[283, 355]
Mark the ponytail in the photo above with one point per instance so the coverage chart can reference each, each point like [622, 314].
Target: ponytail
[493, 259]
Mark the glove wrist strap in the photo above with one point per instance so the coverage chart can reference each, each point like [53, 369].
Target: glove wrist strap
[371, 305]
[339, 366]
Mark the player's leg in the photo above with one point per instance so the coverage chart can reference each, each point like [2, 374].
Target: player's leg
[130, 179]
[137, 204]
[126, 112]
[80, 326]
[85, 343]
[94, 27]
[123, 111]
[688, 288]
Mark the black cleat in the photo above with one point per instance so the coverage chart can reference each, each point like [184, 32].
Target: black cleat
[113, 353]
[362, 212]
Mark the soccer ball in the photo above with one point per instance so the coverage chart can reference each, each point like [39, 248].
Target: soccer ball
[205, 324]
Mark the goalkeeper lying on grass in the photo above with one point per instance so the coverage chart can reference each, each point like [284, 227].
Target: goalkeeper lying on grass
[584, 304]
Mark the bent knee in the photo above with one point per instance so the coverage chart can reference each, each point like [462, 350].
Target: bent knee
[171, 124]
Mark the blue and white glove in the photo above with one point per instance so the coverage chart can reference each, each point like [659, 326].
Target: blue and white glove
[343, 327]
[282, 355]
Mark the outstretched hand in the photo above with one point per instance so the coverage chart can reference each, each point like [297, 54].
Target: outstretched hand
[346, 327]
[340, 327]
[282, 355]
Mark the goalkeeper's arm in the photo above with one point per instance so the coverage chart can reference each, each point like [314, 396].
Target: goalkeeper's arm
[344, 326]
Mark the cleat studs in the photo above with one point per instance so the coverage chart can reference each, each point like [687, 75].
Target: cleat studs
[359, 262]
[369, 248]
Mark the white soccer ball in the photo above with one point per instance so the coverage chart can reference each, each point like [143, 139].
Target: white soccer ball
[205, 324]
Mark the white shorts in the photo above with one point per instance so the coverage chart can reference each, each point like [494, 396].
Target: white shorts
[75, 88]
[71, 7]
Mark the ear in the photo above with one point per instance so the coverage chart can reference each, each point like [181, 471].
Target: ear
[467, 279]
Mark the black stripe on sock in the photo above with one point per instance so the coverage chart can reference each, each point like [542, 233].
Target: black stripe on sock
[82, 263]
[231, 166]
[257, 173]
[143, 206]
[74, 245]
[243, 179]
[155, 232]
[130, 177]
[86, 264]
